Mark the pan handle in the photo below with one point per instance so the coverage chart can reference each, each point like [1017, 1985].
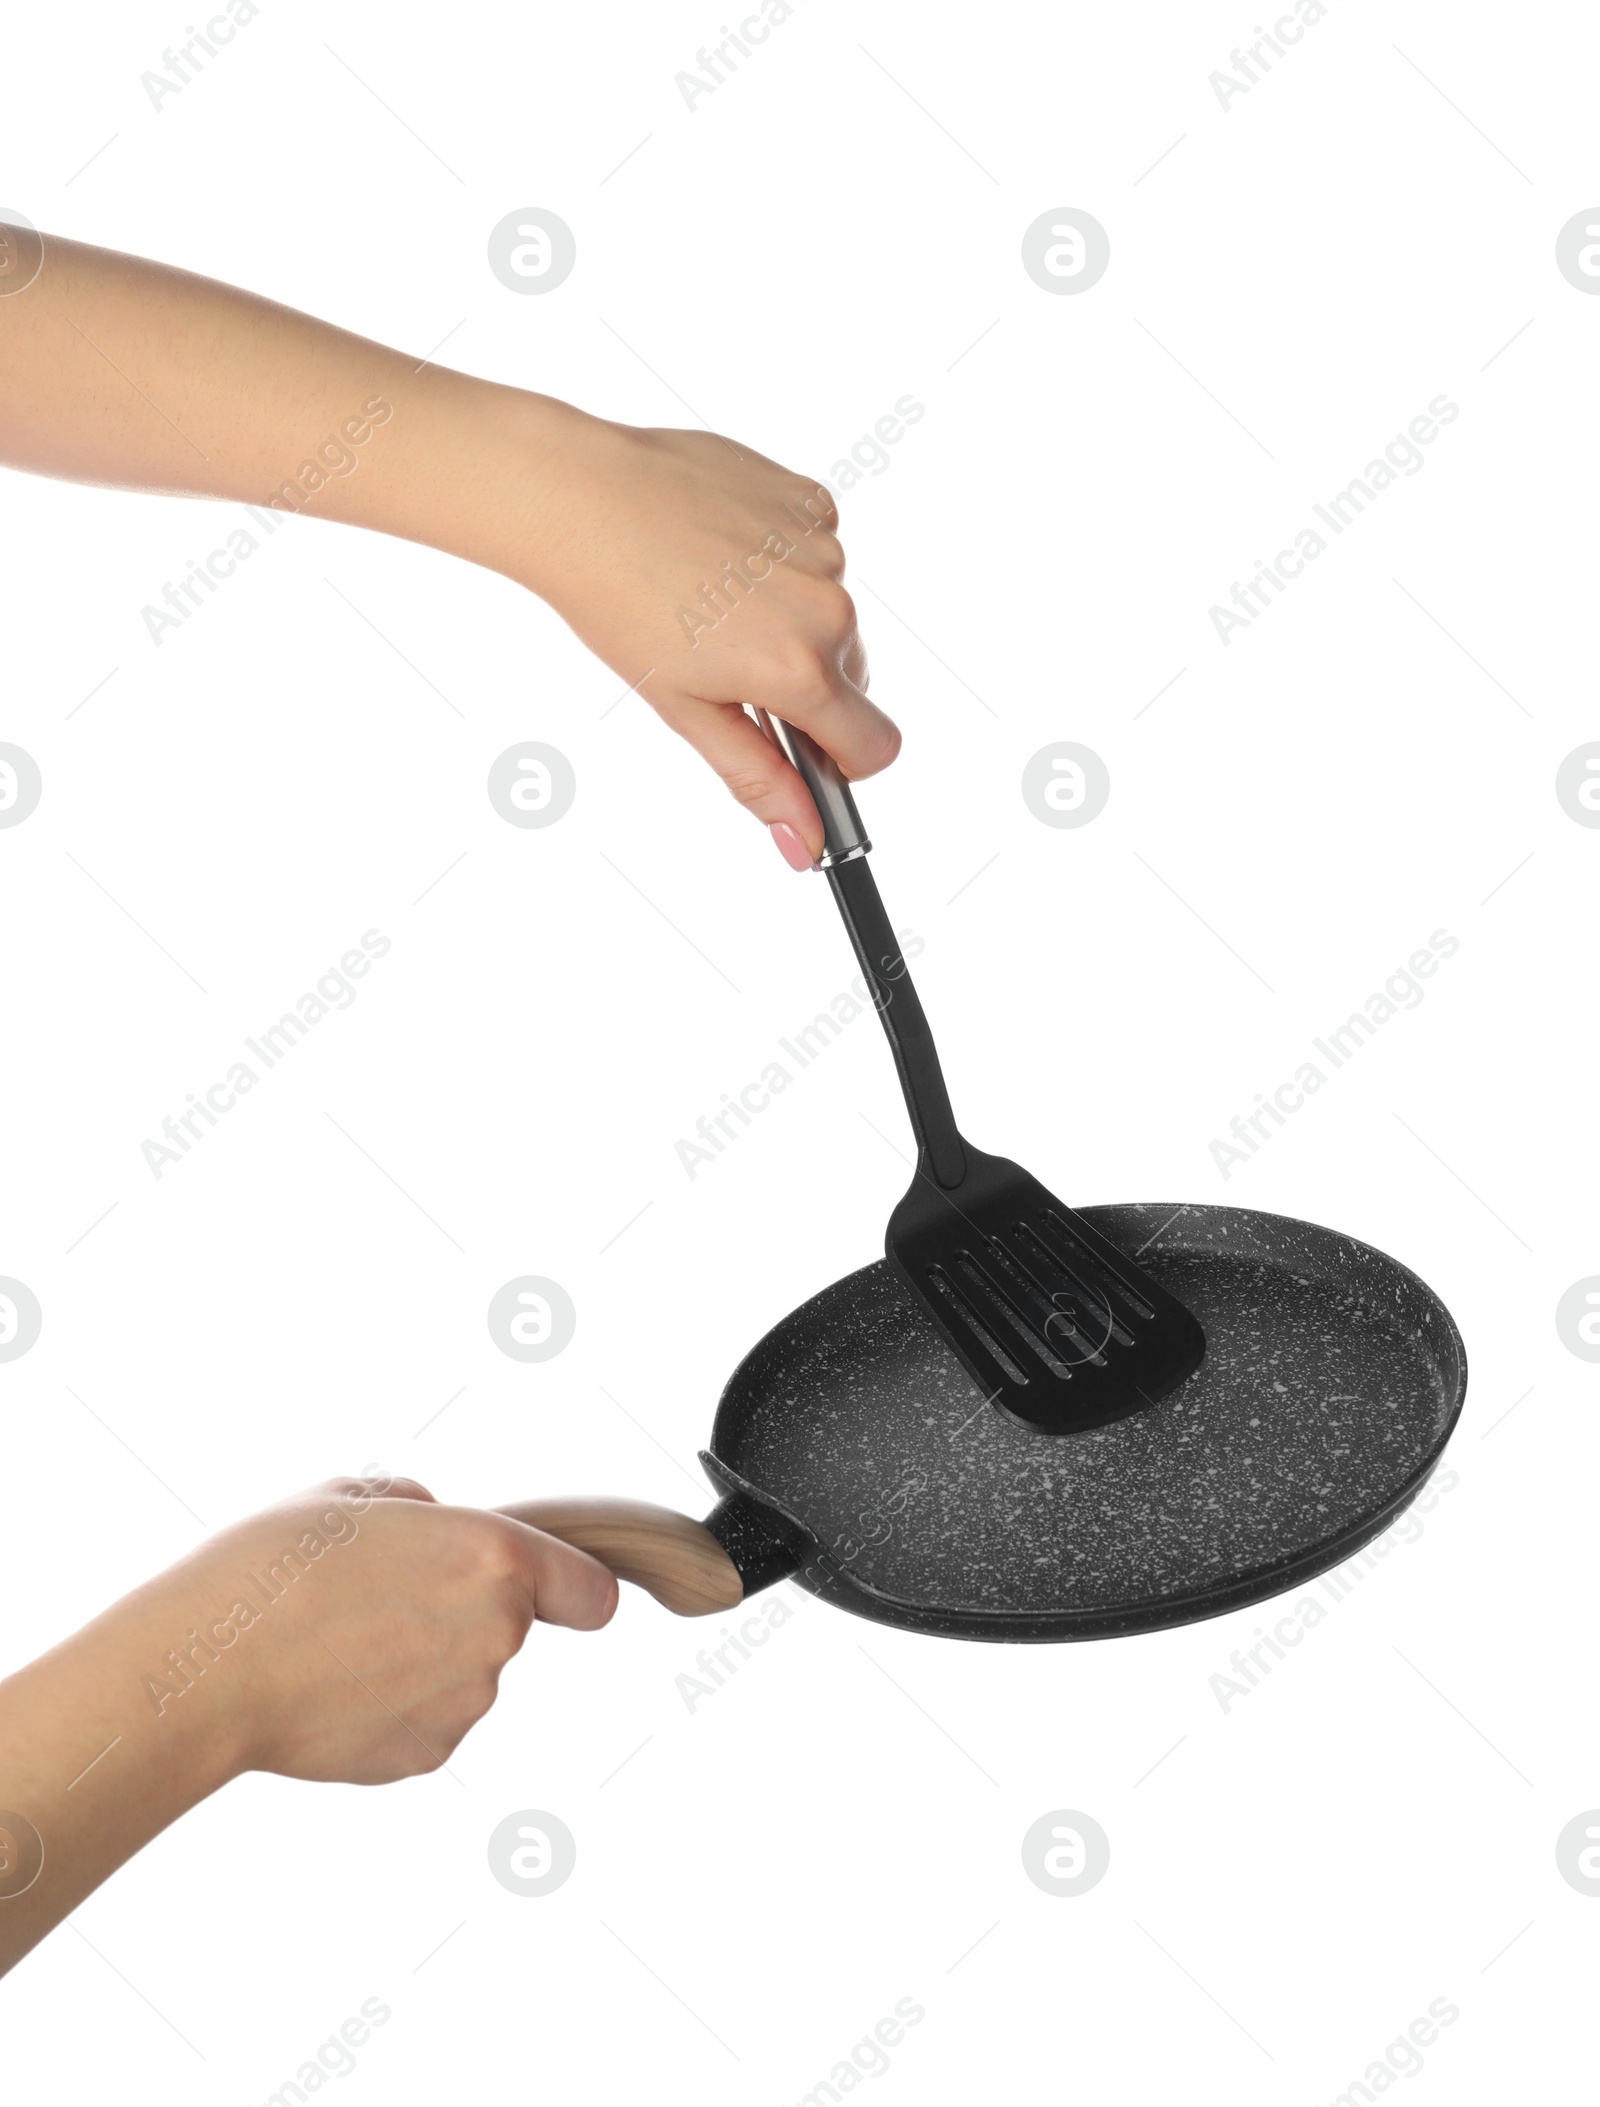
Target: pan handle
[691, 1568]
[666, 1554]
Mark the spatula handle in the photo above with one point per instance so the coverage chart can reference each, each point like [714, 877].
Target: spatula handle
[844, 837]
[905, 1025]
[900, 1012]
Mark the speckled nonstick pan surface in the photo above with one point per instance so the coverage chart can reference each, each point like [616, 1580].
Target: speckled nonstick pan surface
[1331, 1382]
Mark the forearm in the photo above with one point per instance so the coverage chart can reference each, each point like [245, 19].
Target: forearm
[353, 1632]
[705, 575]
[118, 371]
[91, 1770]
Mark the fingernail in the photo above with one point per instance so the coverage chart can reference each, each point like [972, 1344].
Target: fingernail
[790, 847]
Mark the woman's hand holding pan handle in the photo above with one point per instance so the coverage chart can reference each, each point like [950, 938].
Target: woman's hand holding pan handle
[353, 1633]
[673, 1558]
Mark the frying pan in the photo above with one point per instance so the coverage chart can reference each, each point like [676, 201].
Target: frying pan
[854, 1452]
[855, 1448]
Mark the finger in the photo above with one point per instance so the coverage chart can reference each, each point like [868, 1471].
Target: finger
[801, 661]
[755, 772]
[377, 1487]
[566, 1585]
[396, 1489]
[821, 553]
[817, 500]
[854, 664]
[818, 683]
[671, 1557]
[839, 716]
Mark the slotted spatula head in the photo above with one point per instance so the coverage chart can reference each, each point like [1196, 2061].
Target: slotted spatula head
[1062, 1330]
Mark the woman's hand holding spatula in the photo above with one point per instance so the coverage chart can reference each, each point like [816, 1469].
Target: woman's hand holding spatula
[705, 575]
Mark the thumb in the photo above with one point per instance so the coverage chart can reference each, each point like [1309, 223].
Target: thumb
[566, 1585]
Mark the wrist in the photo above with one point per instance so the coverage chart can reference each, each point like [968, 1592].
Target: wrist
[485, 472]
[180, 1706]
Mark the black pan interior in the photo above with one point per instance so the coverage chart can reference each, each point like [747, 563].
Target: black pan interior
[1331, 1381]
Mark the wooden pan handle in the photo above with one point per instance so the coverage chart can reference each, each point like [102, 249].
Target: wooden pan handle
[666, 1554]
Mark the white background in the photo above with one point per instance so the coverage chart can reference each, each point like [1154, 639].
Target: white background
[1372, 1826]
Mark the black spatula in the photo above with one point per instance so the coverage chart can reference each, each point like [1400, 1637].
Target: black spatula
[1062, 1330]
